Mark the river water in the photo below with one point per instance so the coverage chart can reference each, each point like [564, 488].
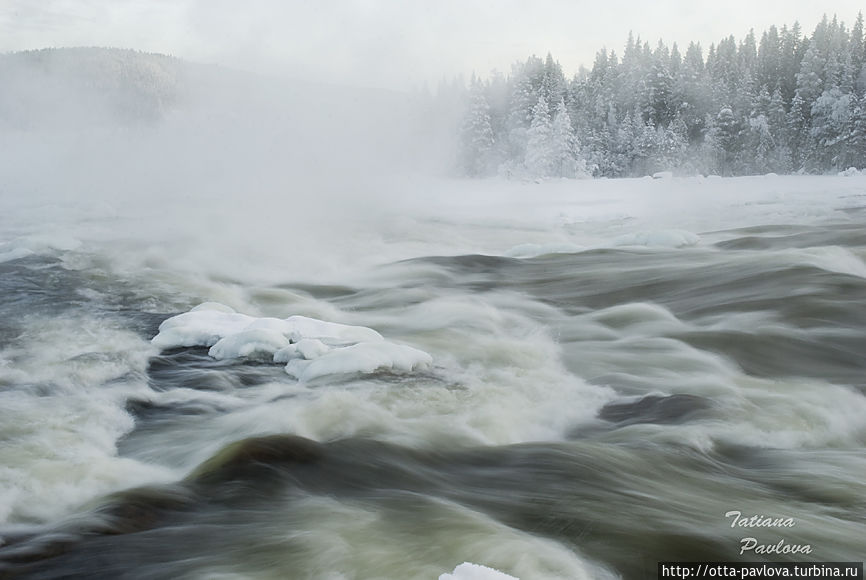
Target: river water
[613, 367]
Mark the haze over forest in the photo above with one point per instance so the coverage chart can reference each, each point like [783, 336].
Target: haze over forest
[253, 326]
[779, 101]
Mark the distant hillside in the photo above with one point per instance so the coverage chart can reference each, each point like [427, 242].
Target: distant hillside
[85, 86]
[78, 87]
[102, 119]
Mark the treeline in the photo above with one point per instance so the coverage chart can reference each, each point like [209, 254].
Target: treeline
[785, 103]
[86, 86]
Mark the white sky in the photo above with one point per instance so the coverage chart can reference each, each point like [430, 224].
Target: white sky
[392, 43]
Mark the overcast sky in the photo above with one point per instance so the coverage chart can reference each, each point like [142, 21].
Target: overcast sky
[392, 43]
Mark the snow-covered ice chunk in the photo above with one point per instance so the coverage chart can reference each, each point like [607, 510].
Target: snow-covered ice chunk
[248, 343]
[308, 347]
[469, 571]
[360, 358]
[200, 328]
[331, 332]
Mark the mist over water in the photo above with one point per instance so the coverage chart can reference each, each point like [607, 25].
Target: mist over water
[615, 364]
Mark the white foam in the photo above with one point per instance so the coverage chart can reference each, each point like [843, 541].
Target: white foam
[309, 348]
[834, 259]
[659, 239]
[530, 250]
[7, 255]
[59, 423]
[37, 244]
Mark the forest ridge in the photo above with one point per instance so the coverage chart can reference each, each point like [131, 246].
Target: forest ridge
[786, 103]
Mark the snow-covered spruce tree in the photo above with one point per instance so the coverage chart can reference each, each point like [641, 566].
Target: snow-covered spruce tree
[758, 141]
[857, 139]
[759, 145]
[539, 158]
[831, 130]
[476, 139]
[553, 81]
[723, 73]
[747, 108]
[798, 128]
[657, 107]
[647, 150]
[674, 145]
[768, 66]
[526, 81]
[566, 158]
[777, 119]
[623, 154]
[497, 90]
[695, 97]
[708, 154]
[793, 48]
[810, 81]
[729, 140]
[857, 50]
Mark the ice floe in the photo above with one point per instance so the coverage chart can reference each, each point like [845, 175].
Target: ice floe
[469, 571]
[309, 348]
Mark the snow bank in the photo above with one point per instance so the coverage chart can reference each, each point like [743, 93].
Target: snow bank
[308, 347]
[469, 571]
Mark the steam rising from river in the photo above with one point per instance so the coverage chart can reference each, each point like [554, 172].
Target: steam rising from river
[599, 370]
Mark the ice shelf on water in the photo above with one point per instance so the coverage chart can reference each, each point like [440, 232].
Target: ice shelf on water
[309, 348]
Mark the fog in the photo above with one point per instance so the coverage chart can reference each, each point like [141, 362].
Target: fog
[209, 163]
[388, 43]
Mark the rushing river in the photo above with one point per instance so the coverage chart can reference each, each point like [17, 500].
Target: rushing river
[559, 381]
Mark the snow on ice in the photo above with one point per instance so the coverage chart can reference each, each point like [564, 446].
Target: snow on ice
[469, 571]
[308, 347]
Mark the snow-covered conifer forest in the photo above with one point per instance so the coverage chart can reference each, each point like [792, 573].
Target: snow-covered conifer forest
[781, 101]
